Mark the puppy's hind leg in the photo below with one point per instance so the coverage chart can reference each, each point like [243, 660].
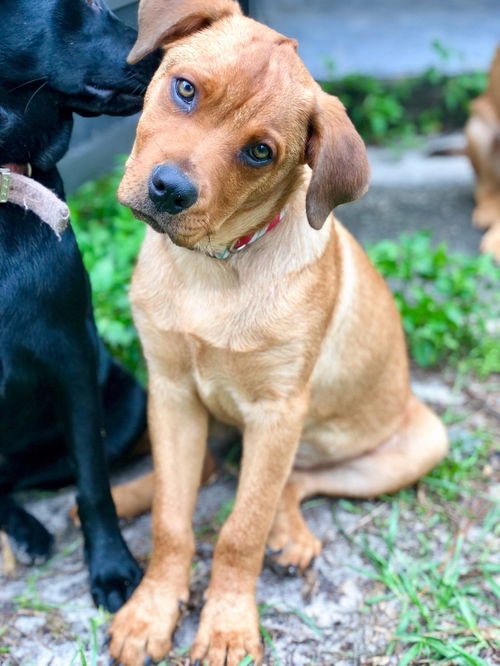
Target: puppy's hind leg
[136, 496]
[291, 546]
[419, 444]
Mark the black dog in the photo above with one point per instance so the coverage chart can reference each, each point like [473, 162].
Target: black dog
[66, 409]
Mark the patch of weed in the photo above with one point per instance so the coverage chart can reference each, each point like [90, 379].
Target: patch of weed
[402, 109]
[449, 302]
[456, 474]
[109, 238]
[89, 655]
[30, 598]
[441, 577]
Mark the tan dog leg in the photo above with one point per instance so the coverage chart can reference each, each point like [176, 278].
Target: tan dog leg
[136, 496]
[490, 242]
[483, 147]
[487, 211]
[229, 621]
[409, 454]
[178, 425]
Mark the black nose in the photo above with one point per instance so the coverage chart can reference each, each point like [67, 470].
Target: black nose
[171, 190]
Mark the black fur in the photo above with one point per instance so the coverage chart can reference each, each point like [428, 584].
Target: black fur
[66, 408]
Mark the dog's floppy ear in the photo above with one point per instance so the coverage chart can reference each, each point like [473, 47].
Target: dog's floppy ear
[162, 21]
[337, 156]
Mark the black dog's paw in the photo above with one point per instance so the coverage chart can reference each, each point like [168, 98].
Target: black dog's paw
[113, 578]
[31, 542]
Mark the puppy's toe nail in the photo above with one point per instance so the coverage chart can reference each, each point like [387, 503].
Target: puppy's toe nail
[271, 552]
[282, 570]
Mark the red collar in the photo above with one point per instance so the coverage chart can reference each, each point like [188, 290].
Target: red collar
[250, 238]
[243, 242]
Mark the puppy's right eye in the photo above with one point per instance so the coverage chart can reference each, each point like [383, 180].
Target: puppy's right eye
[184, 92]
[257, 154]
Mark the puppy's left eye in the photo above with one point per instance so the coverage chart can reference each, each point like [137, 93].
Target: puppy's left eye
[258, 154]
[185, 90]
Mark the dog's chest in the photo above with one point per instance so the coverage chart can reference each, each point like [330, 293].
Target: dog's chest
[233, 383]
[234, 345]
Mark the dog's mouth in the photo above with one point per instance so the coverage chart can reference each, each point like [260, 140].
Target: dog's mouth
[94, 100]
[149, 219]
[172, 227]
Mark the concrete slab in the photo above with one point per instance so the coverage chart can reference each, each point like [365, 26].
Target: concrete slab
[387, 38]
[412, 191]
[387, 212]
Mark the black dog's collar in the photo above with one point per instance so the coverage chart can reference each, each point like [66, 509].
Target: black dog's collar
[17, 187]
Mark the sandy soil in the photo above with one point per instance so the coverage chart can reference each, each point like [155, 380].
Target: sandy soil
[323, 618]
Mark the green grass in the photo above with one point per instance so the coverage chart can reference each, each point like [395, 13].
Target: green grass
[441, 580]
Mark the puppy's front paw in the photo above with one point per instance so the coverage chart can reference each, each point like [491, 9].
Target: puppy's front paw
[114, 575]
[143, 628]
[229, 631]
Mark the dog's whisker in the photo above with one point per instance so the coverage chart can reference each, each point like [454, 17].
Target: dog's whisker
[139, 89]
[33, 95]
[27, 83]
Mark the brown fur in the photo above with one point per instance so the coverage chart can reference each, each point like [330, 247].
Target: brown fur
[295, 340]
[483, 146]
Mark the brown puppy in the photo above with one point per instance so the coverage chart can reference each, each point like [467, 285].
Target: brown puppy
[483, 147]
[294, 339]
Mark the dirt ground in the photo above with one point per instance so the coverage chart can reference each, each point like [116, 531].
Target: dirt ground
[336, 614]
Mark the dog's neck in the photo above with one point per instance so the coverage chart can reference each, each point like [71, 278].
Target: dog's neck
[240, 243]
[290, 246]
[243, 229]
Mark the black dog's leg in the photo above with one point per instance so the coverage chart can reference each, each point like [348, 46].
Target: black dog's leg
[113, 572]
[31, 541]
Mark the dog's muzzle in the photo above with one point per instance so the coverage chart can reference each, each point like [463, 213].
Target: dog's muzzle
[170, 190]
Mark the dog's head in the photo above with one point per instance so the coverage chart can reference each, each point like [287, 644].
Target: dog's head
[230, 119]
[77, 49]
